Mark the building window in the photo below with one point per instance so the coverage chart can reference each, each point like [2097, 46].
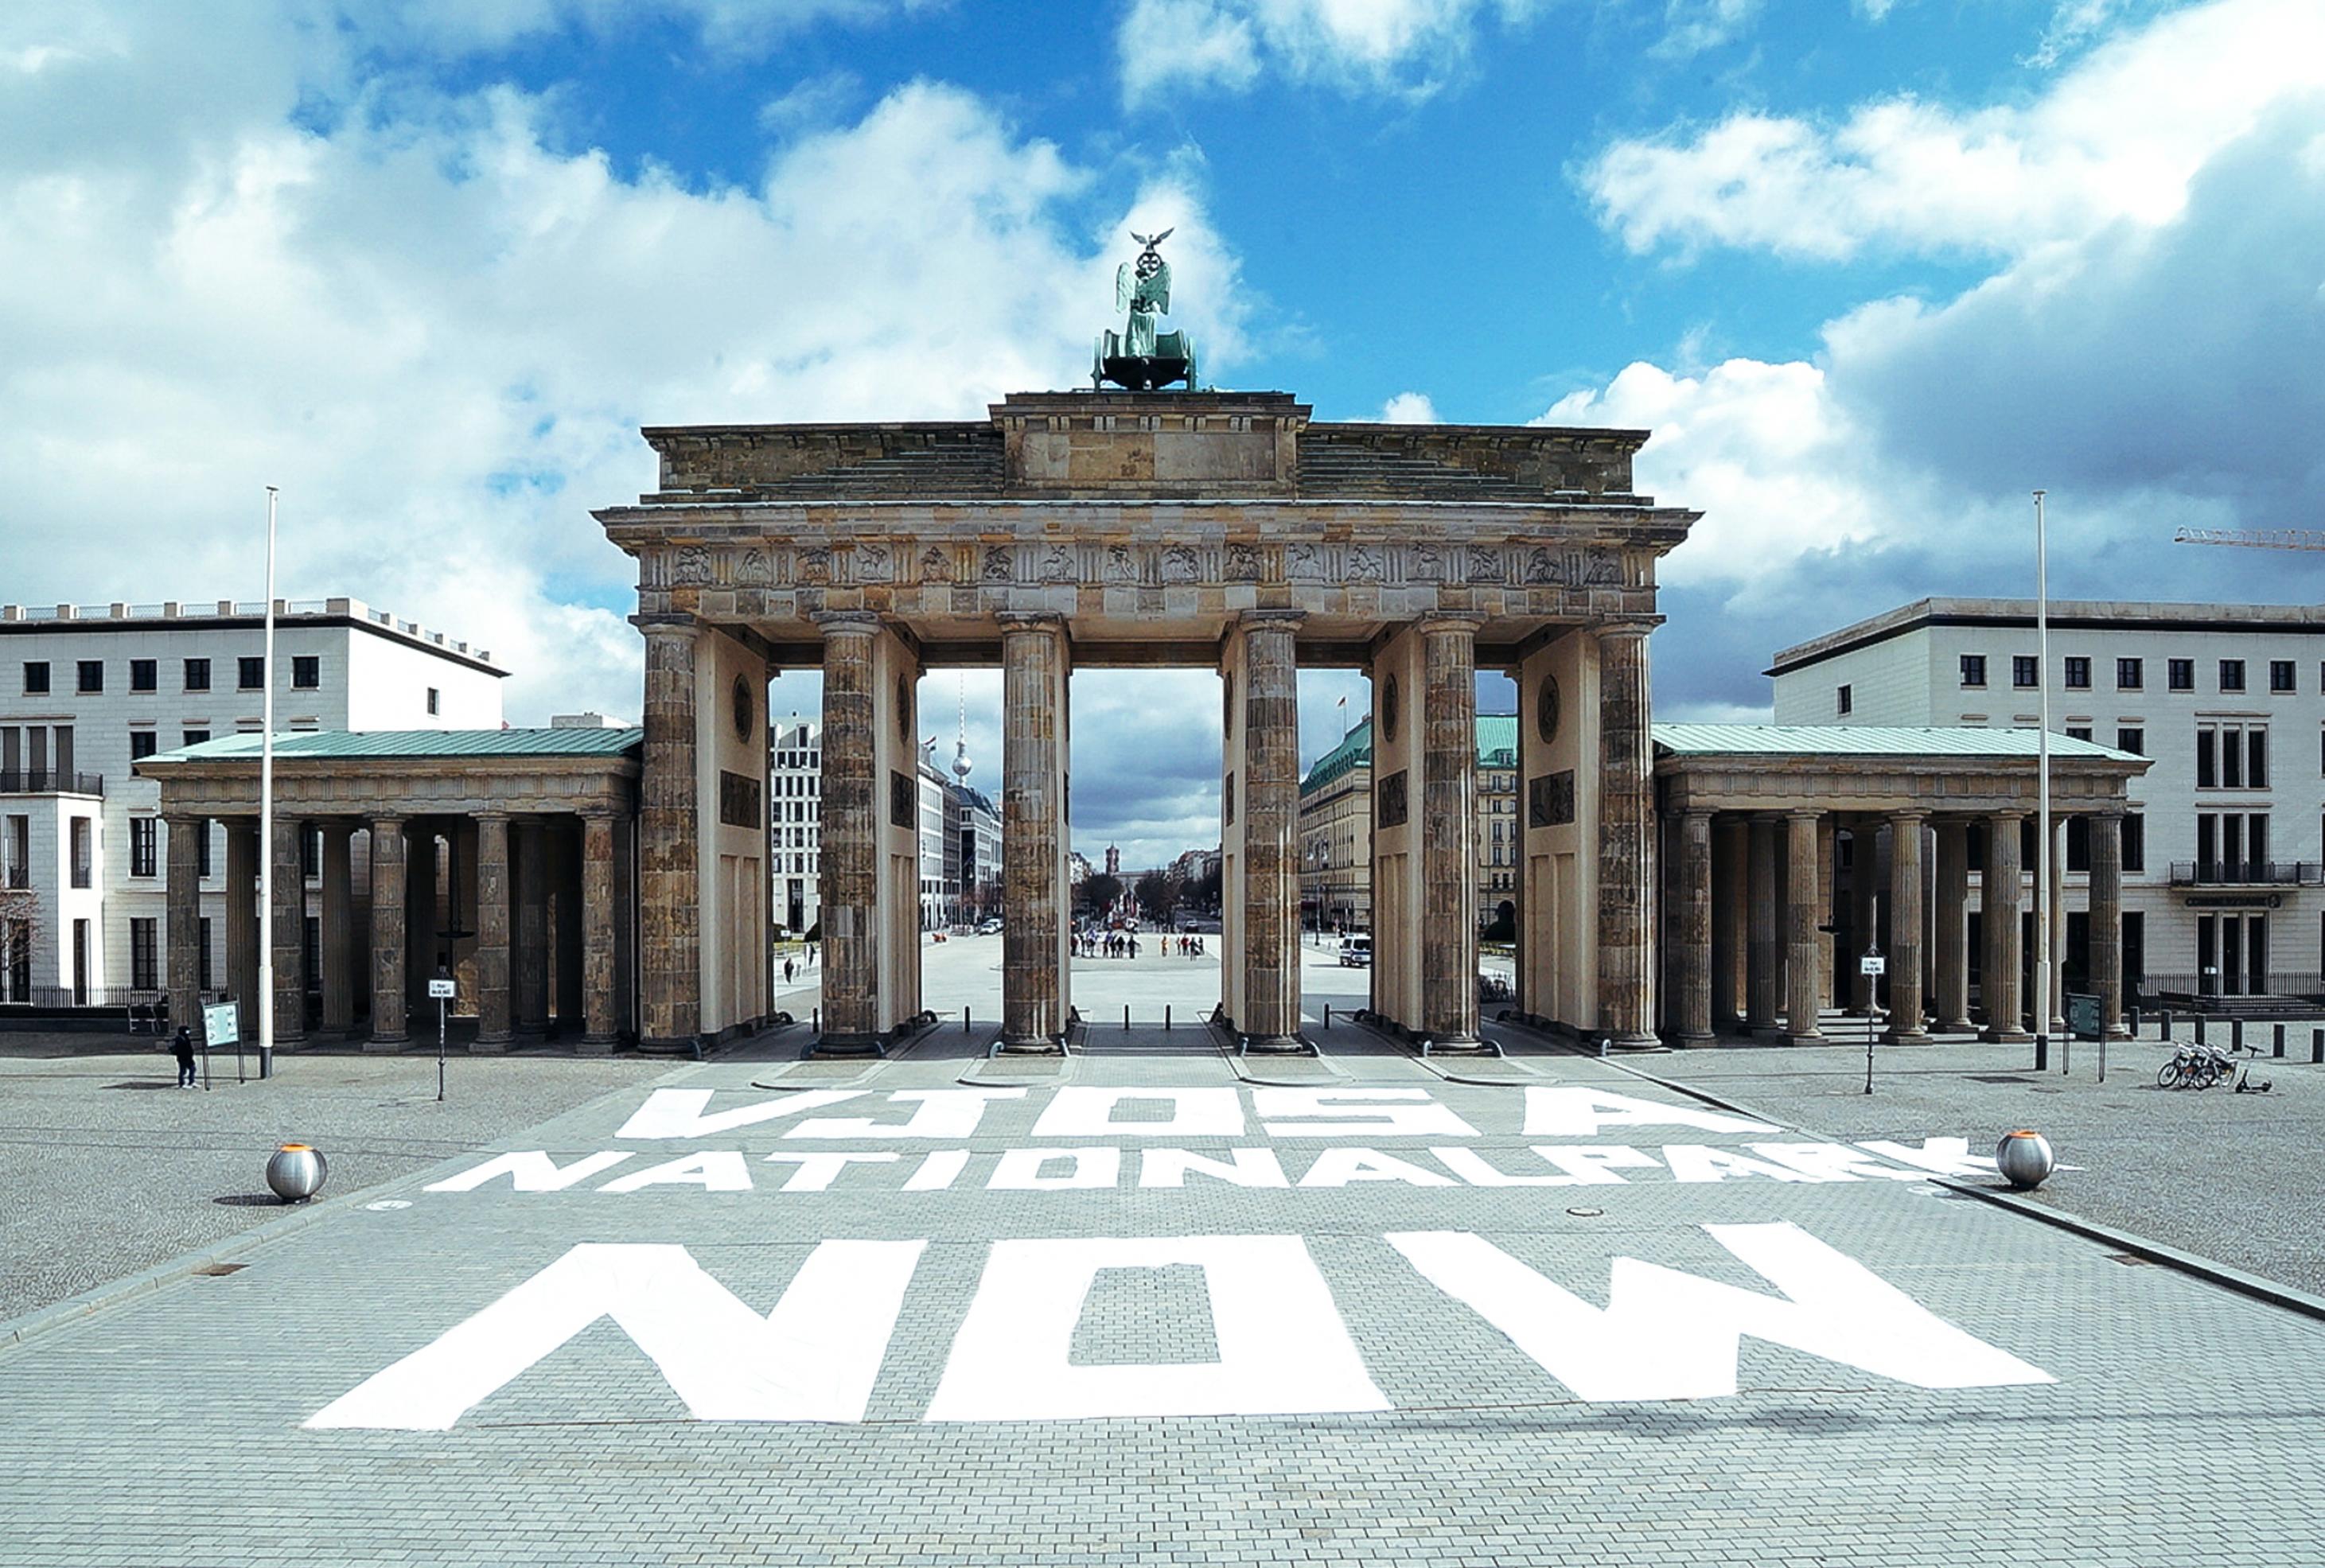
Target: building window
[2280, 675]
[2208, 768]
[2232, 756]
[2256, 758]
[198, 675]
[1842, 700]
[2024, 671]
[310, 852]
[2079, 674]
[2179, 674]
[2129, 674]
[92, 675]
[2135, 842]
[36, 676]
[2135, 740]
[84, 852]
[306, 671]
[195, 737]
[435, 701]
[2232, 675]
[2079, 731]
[251, 673]
[143, 675]
[144, 971]
[142, 743]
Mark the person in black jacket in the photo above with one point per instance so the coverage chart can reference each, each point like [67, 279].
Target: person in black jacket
[184, 1046]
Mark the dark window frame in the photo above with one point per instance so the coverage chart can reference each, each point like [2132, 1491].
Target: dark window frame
[2179, 674]
[2281, 675]
[2232, 675]
[250, 672]
[2133, 738]
[37, 676]
[306, 672]
[145, 674]
[196, 675]
[2130, 674]
[1973, 670]
[2026, 672]
[1844, 699]
[90, 677]
[2075, 672]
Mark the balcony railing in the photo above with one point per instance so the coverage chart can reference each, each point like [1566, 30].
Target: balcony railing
[49, 781]
[2251, 873]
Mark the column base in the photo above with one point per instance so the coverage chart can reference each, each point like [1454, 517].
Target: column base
[1634, 1041]
[1809, 1038]
[684, 1045]
[1694, 1042]
[1906, 1037]
[1273, 1045]
[490, 1046]
[830, 1045]
[1955, 1026]
[1032, 1046]
[385, 1043]
[2013, 1037]
[595, 1046]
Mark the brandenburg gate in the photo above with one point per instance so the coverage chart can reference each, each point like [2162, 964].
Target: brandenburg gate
[1148, 528]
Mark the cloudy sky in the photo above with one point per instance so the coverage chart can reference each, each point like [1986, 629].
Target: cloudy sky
[1871, 272]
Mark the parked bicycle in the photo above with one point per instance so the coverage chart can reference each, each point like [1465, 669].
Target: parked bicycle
[2201, 1066]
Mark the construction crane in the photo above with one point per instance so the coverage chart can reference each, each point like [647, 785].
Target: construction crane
[2258, 539]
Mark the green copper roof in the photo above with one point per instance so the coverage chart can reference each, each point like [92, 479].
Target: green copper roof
[1497, 747]
[308, 745]
[1867, 740]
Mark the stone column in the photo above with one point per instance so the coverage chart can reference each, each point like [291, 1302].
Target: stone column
[564, 843]
[1448, 834]
[1950, 934]
[1691, 931]
[387, 933]
[1730, 860]
[1627, 812]
[182, 918]
[1760, 976]
[1827, 878]
[2054, 1006]
[600, 1027]
[242, 920]
[419, 916]
[338, 923]
[849, 884]
[1804, 969]
[1032, 833]
[495, 985]
[287, 934]
[1267, 723]
[1905, 1026]
[1999, 910]
[670, 882]
[529, 952]
[2106, 919]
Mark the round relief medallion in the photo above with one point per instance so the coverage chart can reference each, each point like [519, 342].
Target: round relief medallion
[1545, 709]
[1389, 705]
[746, 716]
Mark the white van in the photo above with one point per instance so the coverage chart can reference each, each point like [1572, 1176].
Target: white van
[1356, 950]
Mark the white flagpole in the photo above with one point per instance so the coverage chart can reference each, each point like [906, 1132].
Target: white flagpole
[2042, 790]
[266, 819]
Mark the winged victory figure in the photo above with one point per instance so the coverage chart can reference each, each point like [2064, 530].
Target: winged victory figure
[1140, 358]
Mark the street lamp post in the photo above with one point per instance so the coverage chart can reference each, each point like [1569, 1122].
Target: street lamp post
[266, 818]
[2042, 790]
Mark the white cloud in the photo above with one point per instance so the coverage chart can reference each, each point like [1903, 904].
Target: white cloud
[2117, 138]
[1693, 27]
[440, 335]
[1409, 408]
[1407, 47]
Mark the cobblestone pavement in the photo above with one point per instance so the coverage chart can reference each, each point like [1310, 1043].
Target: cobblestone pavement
[2228, 1177]
[1101, 1357]
[109, 1169]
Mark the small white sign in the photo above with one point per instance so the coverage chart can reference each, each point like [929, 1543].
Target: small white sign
[222, 1023]
[1873, 963]
[441, 990]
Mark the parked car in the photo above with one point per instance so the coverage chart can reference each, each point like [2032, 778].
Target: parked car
[991, 927]
[1356, 950]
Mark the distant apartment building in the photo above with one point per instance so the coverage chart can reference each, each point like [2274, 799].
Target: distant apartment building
[795, 810]
[87, 691]
[1335, 870]
[2223, 852]
[960, 836]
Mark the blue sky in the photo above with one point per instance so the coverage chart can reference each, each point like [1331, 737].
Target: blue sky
[1871, 271]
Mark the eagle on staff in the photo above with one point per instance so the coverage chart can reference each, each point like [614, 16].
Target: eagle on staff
[1140, 358]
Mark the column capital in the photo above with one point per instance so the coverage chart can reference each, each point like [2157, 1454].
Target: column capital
[1910, 813]
[1442, 622]
[848, 623]
[2116, 810]
[1811, 813]
[2017, 816]
[1631, 626]
[490, 815]
[177, 819]
[592, 813]
[1031, 621]
[667, 623]
[1691, 813]
[1286, 618]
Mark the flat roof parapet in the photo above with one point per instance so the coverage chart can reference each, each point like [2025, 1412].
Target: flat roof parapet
[2065, 614]
[240, 612]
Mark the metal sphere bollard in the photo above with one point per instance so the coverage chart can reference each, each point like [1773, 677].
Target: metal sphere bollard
[296, 1171]
[2025, 1159]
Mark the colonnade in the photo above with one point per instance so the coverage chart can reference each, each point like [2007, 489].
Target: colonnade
[1752, 933]
[521, 910]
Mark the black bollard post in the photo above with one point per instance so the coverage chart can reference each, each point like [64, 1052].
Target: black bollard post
[2236, 1034]
[2278, 1045]
[964, 1020]
[2317, 1046]
[1125, 1017]
[2163, 1026]
[2199, 1028]
[2134, 1023]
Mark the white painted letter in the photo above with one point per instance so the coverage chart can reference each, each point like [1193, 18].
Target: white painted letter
[939, 1171]
[943, 1113]
[1937, 1156]
[1668, 1335]
[714, 1170]
[1284, 1350]
[817, 1171]
[1021, 1169]
[1835, 1162]
[1356, 1113]
[531, 1171]
[813, 1359]
[1583, 1112]
[1472, 1167]
[1337, 1167]
[1194, 1114]
[1594, 1165]
[679, 1113]
[1170, 1167]
[1696, 1162]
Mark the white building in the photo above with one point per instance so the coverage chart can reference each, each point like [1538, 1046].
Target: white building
[795, 810]
[2224, 890]
[85, 690]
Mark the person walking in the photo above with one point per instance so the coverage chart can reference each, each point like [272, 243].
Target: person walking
[184, 1046]
[787, 971]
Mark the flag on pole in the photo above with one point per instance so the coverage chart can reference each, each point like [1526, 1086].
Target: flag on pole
[1343, 705]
